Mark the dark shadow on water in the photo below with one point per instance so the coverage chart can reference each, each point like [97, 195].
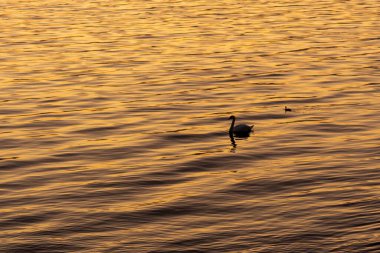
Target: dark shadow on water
[233, 141]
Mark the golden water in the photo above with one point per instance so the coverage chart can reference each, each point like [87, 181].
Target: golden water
[114, 119]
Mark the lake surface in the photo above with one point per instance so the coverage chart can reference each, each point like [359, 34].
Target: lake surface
[114, 126]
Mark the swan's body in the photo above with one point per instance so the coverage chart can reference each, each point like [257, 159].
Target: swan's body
[239, 130]
[287, 109]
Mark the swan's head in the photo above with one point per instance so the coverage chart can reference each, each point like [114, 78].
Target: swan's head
[232, 117]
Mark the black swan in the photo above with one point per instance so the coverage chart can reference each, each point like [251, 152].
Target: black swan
[239, 130]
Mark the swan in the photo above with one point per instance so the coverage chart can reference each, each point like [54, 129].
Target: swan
[239, 130]
[286, 109]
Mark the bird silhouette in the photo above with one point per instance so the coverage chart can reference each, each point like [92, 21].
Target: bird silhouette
[239, 130]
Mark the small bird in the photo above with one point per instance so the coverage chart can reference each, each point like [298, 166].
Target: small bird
[286, 109]
[239, 130]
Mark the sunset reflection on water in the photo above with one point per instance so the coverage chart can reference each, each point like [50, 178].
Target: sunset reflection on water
[114, 126]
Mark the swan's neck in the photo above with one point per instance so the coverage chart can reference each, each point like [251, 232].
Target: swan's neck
[232, 126]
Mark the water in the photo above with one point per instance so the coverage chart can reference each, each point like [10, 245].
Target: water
[114, 126]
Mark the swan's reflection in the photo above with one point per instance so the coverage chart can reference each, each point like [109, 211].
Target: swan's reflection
[233, 143]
